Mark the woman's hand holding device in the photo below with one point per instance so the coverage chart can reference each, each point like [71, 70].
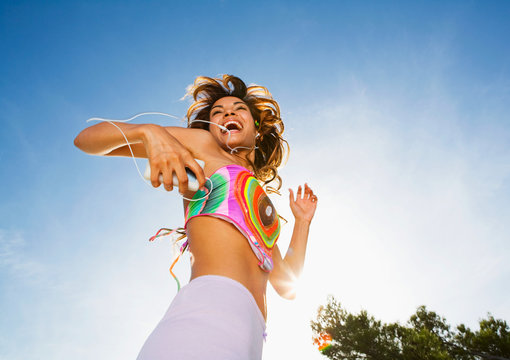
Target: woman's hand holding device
[193, 184]
[168, 160]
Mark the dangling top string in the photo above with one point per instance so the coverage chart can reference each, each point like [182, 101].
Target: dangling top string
[177, 253]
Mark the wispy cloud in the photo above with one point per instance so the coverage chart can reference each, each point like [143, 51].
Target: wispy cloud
[14, 259]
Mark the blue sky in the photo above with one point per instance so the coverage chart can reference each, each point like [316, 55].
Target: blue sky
[396, 113]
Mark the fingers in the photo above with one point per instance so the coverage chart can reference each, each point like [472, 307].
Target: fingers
[304, 193]
[168, 181]
[198, 171]
[291, 196]
[168, 160]
[162, 173]
[182, 176]
[167, 169]
[176, 172]
[155, 175]
[309, 193]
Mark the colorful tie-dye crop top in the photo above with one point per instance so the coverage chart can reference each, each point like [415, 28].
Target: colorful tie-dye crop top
[238, 197]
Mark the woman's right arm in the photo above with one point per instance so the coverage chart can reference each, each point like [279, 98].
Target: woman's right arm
[103, 138]
[166, 153]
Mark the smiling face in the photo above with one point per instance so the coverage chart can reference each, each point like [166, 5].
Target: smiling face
[218, 100]
[232, 113]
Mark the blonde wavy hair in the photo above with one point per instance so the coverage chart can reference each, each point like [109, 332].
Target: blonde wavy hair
[271, 147]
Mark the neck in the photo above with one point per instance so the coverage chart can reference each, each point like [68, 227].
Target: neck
[245, 157]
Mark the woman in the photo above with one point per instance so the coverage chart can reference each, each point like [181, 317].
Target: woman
[231, 224]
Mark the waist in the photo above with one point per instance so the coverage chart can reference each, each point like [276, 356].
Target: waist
[218, 248]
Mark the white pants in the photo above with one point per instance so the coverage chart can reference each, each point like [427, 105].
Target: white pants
[213, 317]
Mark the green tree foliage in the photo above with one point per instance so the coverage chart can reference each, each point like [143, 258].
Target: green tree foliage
[425, 336]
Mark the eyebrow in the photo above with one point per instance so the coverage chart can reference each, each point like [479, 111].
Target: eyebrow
[237, 102]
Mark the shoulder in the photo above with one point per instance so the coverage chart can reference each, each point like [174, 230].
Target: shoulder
[191, 136]
[188, 133]
[198, 141]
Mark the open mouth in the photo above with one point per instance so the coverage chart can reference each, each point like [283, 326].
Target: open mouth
[232, 125]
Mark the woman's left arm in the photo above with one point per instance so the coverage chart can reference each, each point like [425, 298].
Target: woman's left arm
[287, 269]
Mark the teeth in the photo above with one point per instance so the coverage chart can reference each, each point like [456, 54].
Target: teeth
[236, 123]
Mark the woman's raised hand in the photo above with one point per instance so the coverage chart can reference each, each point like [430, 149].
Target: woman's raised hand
[304, 205]
[168, 156]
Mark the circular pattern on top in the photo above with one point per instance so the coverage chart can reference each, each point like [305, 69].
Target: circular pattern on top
[258, 210]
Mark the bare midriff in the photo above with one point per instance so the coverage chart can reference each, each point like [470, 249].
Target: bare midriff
[218, 248]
